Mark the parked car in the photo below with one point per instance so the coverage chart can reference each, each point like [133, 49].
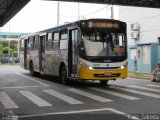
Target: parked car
[16, 59]
[4, 60]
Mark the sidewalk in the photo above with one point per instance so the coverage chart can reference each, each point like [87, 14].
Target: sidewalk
[139, 75]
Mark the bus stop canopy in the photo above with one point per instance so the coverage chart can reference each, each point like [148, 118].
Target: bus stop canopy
[8, 8]
[137, 3]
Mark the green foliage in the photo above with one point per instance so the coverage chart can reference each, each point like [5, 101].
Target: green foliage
[6, 50]
[1, 53]
[1, 47]
[4, 43]
[9, 46]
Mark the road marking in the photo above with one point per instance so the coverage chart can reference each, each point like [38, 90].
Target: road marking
[21, 87]
[63, 97]
[35, 99]
[115, 94]
[31, 79]
[136, 92]
[7, 101]
[10, 116]
[157, 86]
[144, 88]
[89, 95]
[76, 112]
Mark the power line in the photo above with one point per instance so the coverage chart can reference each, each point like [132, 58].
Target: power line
[95, 11]
[86, 14]
[150, 30]
[137, 2]
[144, 18]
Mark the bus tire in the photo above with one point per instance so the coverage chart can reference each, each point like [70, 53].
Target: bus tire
[31, 69]
[63, 75]
[104, 82]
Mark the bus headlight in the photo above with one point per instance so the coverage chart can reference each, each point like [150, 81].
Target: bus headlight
[90, 68]
[86, 66]
[122, 67]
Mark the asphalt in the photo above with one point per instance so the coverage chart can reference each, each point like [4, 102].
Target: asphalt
[129, 96]
[140, 75]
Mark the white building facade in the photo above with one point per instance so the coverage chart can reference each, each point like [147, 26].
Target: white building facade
[143, 35]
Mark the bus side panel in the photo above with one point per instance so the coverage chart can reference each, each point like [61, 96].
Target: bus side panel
[24, 53]
[21, 53]
[35, 59]
[31, 56]
[56, 63]
[49, 60]
[52, 61]
[35, 54]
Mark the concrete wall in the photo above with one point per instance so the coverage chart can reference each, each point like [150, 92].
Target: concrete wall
[149, 31]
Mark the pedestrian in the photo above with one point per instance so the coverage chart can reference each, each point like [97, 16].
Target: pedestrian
[156, 74]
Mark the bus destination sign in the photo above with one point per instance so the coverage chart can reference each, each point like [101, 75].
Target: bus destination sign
[103, 25]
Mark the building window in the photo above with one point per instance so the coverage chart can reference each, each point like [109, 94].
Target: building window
[146, 54]
[133, 53]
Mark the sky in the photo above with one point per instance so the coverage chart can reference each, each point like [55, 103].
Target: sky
[38, 15]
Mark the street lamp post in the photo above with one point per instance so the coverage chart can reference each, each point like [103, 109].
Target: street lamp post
[112, 12]
[9, 44]
[58, 14]
[78, 11]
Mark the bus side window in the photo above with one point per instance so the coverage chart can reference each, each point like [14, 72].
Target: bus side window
[49, 41]
[22, 45]
[29, 43]
[36, 44]
[55, 40]
[63, 40]
[121, 40]
[33, 45]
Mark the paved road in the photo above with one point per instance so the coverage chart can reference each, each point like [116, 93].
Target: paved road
[23, 97]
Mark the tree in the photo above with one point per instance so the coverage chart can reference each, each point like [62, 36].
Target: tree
[1, 47]
[6, 50]
[9, 47]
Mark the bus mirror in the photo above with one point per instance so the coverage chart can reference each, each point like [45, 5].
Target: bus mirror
[78, 44]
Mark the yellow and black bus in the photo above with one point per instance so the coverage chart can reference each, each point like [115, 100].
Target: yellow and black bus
[93, 49]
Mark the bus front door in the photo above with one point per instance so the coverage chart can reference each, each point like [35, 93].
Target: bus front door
[25, 52]
[42, 53]
[72, 53]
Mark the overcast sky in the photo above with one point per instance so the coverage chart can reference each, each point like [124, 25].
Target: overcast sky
[39, 15]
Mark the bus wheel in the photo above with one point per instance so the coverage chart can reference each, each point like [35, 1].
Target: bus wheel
[63, 76]
[31, 69]
[104, 82]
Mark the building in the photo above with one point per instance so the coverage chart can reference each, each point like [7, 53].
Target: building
[9, 44]
[10, 35]
[143, 37]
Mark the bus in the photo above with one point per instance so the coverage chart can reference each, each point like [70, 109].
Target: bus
[92, 49]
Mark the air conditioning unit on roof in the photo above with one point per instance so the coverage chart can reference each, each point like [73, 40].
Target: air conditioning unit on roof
[135, 26]
[134, 34]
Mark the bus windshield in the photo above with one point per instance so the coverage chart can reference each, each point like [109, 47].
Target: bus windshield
[103, 43]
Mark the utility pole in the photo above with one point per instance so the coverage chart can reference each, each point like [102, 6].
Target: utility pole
[78, 11]
[112, 12]
[58, 9]
[9, 44]
[18, 54]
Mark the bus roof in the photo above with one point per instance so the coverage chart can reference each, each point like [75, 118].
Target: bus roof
[76, 23]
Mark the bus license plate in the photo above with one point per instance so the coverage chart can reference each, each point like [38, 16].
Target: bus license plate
[108, 73]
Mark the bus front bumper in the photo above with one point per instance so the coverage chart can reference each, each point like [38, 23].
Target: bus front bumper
[98, 74]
